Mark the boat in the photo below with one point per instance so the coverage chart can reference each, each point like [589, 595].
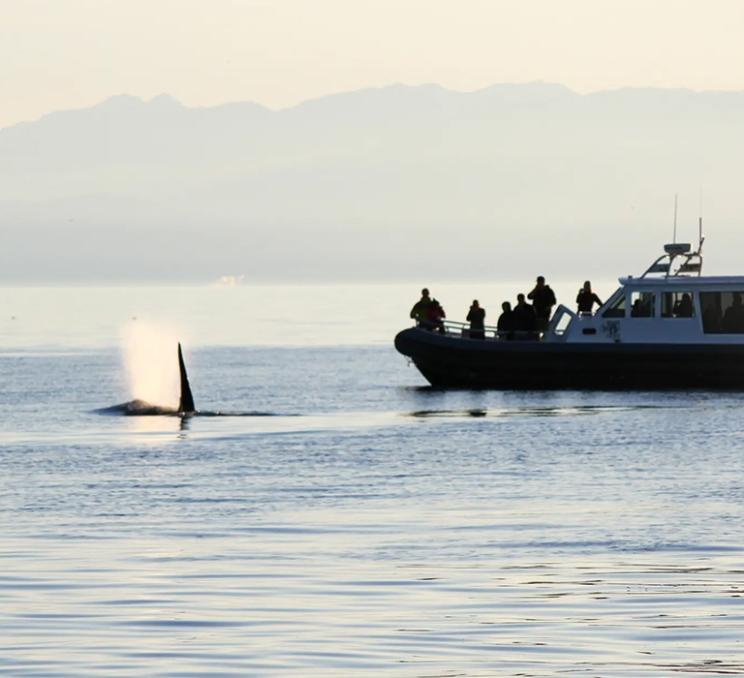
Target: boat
[638, 339]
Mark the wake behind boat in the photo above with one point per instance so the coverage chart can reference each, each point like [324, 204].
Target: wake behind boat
[669, 328]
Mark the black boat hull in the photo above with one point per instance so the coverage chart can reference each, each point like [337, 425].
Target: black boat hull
[452, 362]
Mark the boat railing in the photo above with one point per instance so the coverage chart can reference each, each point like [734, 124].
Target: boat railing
[688, 262]
[454, 328]
[461, 330]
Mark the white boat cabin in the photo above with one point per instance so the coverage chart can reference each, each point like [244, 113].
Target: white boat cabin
[671, 303]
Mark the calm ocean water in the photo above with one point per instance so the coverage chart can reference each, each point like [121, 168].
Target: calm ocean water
[362, 523]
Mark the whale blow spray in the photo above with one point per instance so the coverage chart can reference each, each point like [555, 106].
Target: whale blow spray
[152, 372]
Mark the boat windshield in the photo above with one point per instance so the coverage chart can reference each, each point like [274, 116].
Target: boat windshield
[616, 306]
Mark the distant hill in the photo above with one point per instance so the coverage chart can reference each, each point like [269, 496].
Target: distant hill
[417, 183]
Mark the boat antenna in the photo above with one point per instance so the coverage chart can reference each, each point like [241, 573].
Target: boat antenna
[700, 223]
[674, 234]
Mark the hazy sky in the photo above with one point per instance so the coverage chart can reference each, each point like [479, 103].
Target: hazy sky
[57, 54]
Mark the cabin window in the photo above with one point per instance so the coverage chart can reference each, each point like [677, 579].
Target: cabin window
[642, 304]
[723, 312]
[561, 321]
[677, 305]
[616, 309]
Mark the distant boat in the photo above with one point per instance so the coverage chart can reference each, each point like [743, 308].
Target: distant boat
[637, 339]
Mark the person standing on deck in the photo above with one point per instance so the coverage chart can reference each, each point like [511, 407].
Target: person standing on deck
[477, 319]
[525, 320]
[421, 309]
[543, 299]
[586, 299]
[435, 316]
[505, 324]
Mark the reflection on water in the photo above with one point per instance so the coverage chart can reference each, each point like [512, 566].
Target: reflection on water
[526, 411]
[147, 426]
[518, 411]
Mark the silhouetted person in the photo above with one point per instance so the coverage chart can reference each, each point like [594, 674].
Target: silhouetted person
[543, 300]
[683, 307]
[712, 320]
[477, 319]
[733, 318]
[435, 316]
[505, 324]
[586, 299]
[420, 310]
[525, 320]
[642, 308]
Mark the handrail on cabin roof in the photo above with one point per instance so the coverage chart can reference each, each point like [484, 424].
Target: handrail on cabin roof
[692, 263]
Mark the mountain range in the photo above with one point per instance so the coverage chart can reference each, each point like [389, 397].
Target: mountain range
[400, 182]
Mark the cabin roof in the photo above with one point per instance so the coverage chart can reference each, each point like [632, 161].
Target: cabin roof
[689, 282]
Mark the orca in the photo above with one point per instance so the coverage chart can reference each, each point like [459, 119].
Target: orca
[186, 408]
[137, 407]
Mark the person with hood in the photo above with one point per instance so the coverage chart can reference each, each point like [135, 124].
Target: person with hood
[477, 319]
[543, 299]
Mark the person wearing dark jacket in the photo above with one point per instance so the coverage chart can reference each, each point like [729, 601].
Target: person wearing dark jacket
[420, 310]
[505, 324]
[435, 316]
[525, 320]
[476, 318]
[684, 308]
[733, 318]
[586, 299]
[543, 299]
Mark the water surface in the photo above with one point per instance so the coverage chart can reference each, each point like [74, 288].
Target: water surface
[370, 526]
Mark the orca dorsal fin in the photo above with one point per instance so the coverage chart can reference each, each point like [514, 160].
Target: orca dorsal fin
[186, 402]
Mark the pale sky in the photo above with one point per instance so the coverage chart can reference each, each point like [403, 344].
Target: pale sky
[61, 54]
